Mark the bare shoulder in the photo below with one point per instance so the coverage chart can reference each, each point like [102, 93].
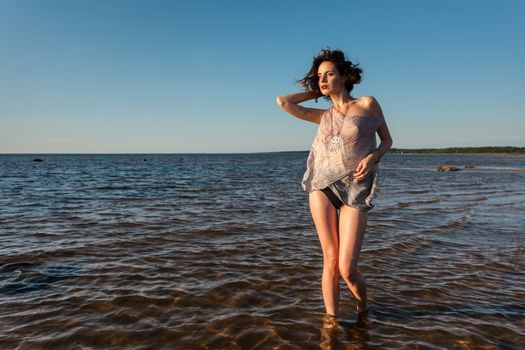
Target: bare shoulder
[371, 104]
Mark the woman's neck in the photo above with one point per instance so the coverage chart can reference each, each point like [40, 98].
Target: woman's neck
[341, 100]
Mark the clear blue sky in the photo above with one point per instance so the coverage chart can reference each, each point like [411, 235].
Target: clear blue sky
[202, 76]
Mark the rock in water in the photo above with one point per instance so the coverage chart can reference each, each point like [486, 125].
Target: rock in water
[37, 160]
[446, 167]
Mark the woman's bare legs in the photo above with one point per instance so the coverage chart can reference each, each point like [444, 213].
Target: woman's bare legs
[325, 219]
[352, 227]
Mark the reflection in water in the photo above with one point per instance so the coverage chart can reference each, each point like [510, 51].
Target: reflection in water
[337, 334]
[329, 332]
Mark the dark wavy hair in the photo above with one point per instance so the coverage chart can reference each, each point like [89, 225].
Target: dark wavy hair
[310, 82]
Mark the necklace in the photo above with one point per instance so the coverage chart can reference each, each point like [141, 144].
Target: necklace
[336, 142]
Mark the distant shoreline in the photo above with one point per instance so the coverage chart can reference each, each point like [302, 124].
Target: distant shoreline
[489, 150]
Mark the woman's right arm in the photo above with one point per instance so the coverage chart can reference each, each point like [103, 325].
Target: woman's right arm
[290, 103]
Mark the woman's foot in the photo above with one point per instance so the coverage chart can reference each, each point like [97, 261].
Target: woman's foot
[329, 321]
[362, 310]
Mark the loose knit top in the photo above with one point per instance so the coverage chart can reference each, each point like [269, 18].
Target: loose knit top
[358, 139]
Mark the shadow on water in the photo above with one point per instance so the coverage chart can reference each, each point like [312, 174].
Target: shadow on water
[402, 315]
[25, 277]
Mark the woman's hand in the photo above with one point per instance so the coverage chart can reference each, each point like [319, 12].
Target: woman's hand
[365, 166]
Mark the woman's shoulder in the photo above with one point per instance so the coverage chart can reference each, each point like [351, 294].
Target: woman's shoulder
[371, 104]
[368, 101]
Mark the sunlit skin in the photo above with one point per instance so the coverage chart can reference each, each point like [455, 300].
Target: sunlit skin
[341, 235]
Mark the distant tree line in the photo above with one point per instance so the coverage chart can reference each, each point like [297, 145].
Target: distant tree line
[490, 149]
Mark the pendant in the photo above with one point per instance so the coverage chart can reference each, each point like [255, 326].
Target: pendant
[335, 143]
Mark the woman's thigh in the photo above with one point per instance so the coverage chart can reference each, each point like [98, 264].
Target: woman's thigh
[352, 227]
[325, 219]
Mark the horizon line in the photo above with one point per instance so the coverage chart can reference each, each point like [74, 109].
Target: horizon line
[256, 152]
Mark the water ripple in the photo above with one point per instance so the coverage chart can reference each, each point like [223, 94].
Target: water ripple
[220, 252]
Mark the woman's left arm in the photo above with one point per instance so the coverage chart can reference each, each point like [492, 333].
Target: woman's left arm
[386, 142]
[366, 165]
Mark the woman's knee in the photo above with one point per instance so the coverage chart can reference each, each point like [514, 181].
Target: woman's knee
[349, 274]
[331, 263]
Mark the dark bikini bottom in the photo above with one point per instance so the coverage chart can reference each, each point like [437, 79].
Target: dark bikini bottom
[332, 197]
[356, 194]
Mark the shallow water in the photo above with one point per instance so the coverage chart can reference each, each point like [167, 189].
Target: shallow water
[220, 252]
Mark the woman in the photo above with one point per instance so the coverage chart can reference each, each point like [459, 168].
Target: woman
[341, 168]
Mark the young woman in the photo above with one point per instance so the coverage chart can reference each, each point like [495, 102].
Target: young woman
[341, 168]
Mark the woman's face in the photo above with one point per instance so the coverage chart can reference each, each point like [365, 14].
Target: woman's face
[330, 81]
